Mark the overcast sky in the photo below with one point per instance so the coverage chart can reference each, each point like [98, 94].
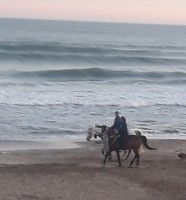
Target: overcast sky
[139, 11]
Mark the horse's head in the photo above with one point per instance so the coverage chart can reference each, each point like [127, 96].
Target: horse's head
[92, 132]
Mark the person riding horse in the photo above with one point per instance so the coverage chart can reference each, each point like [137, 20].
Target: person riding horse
[117, 122]
[123, 132]
[120, 127]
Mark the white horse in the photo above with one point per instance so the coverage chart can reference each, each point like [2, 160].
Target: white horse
[95, 132]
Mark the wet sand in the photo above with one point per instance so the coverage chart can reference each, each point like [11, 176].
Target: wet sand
[78, 174]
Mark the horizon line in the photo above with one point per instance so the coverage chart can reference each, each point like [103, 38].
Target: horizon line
[91, 21]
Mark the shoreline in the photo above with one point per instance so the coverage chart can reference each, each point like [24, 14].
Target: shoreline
[55, 144]
[40, 144]
[46, 149]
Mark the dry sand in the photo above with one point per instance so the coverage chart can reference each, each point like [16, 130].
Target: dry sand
[79, 174]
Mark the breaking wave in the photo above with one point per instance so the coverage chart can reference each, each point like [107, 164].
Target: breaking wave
[100, 74]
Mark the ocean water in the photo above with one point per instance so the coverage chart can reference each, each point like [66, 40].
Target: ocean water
[57, 78]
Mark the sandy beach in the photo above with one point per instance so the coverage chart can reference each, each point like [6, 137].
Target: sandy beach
[78, 173]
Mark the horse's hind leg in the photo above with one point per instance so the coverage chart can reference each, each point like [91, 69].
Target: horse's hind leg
[129, 151]
[119, 160]
[136, 151]
[138, 158]
[132, 160]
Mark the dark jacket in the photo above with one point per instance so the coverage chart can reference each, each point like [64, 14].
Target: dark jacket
[123, 130]
[117, 123]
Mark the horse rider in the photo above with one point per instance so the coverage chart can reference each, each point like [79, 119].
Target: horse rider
[123, 132]
[117, 122]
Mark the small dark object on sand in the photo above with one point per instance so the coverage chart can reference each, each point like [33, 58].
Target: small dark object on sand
[182, 155]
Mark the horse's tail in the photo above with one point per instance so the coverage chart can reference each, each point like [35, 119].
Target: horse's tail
[144, 140]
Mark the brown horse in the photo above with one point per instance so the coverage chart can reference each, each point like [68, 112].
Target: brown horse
[131, 142]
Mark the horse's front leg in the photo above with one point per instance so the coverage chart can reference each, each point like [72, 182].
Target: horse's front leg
[119, 160]
[106, 156]
[110, 156]
[103, 152]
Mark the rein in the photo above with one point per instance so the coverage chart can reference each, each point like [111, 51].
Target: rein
[114, 138]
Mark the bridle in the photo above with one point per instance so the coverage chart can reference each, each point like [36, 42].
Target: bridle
[103, 135]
